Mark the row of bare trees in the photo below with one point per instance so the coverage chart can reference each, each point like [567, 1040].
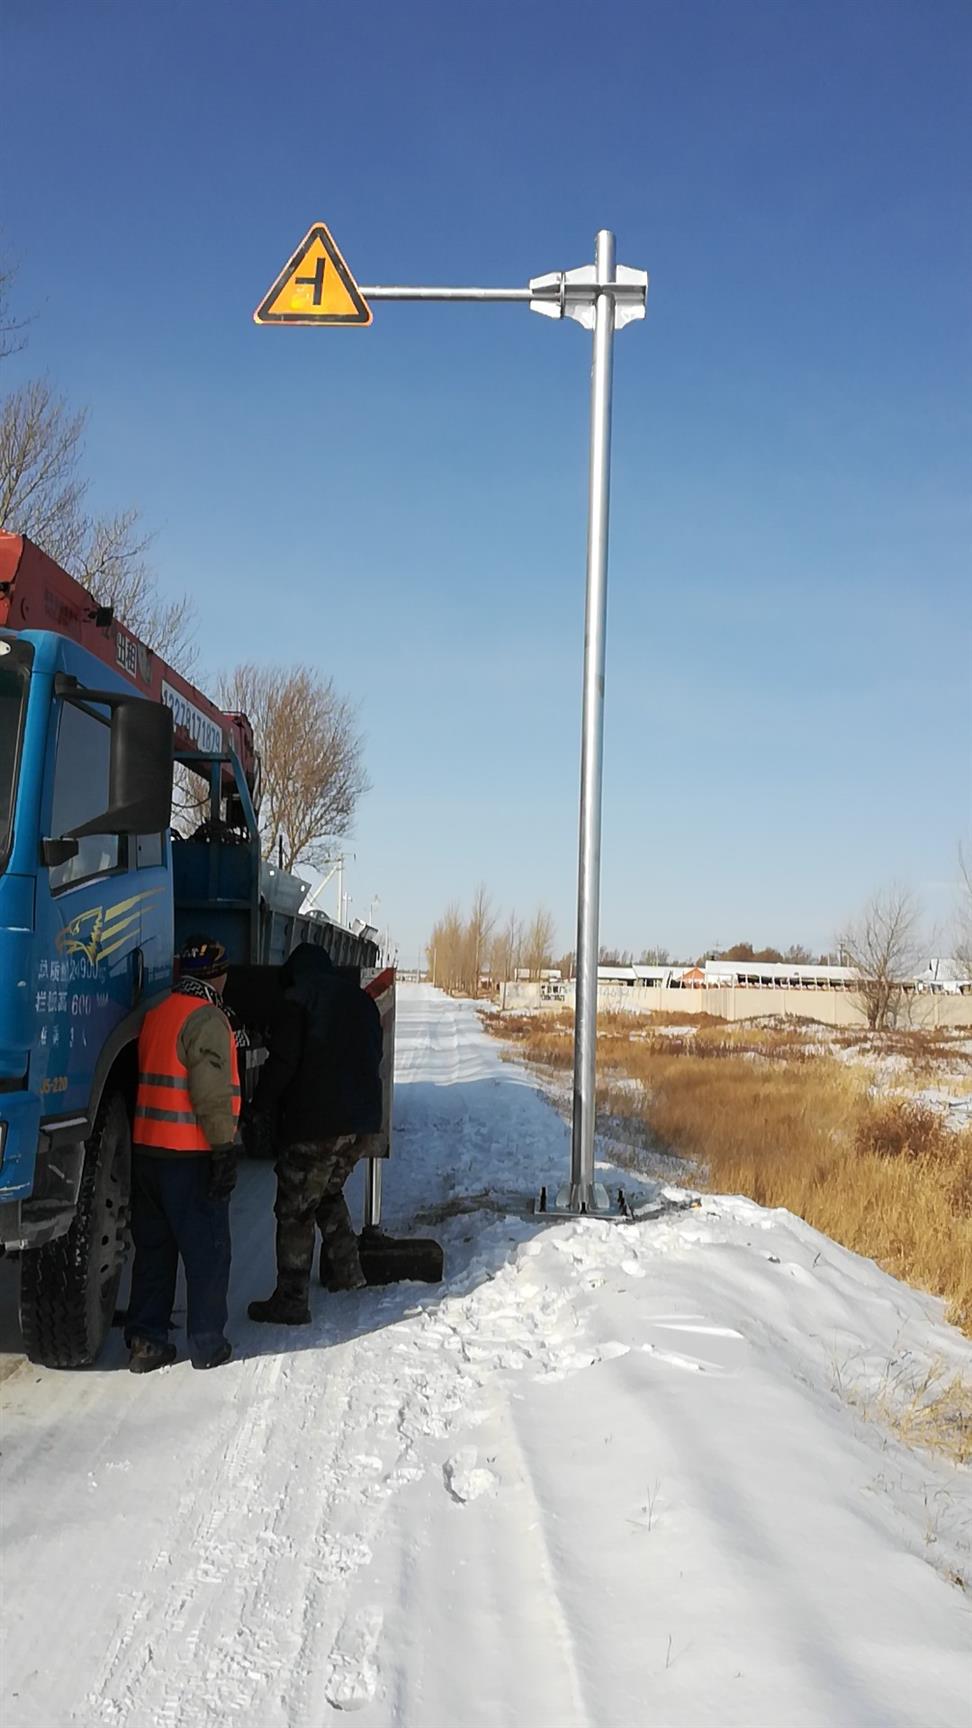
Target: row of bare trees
[882, 946]
[462, 949]
[306, 731]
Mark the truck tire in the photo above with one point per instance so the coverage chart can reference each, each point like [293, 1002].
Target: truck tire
[68, 1288]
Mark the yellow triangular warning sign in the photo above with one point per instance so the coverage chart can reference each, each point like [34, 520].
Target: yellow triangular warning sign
[315, 286]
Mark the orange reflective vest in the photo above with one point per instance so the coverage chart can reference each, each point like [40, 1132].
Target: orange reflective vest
[164, 1116]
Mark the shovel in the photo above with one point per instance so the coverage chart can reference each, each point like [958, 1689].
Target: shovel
[393, 1259]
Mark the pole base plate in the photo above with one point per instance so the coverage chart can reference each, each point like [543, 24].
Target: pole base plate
[582, 1200]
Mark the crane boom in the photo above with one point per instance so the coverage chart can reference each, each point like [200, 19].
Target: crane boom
[36, 594]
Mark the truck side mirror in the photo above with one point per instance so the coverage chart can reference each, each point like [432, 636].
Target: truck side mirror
[140, 772]
[57, 852]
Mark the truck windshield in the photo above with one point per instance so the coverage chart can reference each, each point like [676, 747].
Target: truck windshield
[15, 660]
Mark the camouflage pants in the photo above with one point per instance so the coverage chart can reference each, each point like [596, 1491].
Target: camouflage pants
[310, 1183]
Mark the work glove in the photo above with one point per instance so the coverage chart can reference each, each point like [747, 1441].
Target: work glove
[222, 1171]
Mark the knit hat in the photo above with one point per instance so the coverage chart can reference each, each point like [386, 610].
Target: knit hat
[202, 957]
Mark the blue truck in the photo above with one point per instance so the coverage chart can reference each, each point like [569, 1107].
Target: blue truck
[97, 890]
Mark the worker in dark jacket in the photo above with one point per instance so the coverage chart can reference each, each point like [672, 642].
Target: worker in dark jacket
[184, 1164]
[322, 1086]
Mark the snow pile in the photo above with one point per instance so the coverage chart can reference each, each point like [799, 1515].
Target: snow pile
[606, 1474]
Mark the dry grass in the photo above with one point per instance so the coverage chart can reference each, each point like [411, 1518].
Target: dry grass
[927, 1406]
[960, 1087]
[925, 1051]
[935, 1412]
[762, 1112]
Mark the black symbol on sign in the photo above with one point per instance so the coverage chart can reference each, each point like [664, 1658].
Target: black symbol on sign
[316, 281]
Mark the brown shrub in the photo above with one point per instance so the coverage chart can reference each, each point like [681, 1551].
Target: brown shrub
[902, 1128]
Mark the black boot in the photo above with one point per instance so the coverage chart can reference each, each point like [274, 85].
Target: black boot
[284, 1308]
[341, 1271]
[146, 1355]
[221, 1354]
[348, 1277]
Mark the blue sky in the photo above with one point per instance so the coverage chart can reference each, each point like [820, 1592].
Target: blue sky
[789, 716]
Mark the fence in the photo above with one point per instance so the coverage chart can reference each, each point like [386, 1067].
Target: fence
[925, 1009]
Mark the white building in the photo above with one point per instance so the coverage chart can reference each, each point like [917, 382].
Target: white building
[949, 977]
[765, 974]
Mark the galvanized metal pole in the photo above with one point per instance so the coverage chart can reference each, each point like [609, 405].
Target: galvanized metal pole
[476, 296]
[372, 1195]
[581, 1196]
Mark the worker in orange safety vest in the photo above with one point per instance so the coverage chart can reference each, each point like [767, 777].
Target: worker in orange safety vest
[184, 1157]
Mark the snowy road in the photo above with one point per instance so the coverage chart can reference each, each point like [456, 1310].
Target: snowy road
[603, 1476]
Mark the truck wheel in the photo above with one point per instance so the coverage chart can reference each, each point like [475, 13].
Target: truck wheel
[68, 1288]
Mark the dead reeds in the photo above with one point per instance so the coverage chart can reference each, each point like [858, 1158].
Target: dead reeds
[800, 1118]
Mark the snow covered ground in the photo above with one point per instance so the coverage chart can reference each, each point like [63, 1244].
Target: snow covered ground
[605, 1475]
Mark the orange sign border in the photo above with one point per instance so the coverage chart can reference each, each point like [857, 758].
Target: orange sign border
[351, 321]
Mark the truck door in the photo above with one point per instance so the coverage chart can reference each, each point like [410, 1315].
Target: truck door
[90, 909]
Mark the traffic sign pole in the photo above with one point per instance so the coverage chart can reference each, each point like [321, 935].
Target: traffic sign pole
[603, 297]
[581, 1195]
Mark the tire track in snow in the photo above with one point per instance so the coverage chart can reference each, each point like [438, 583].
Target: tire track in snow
[248, 1625]
[142, 1679]
[272, 1529]
[506, 1614]
[277, 1517]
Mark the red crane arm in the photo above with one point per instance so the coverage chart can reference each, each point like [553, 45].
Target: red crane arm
[36, 594]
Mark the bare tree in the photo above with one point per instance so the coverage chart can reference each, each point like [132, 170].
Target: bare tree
[41, 491]
[444, 950]
[538, 942]
[505, 949]
[42, 495]
[457, 946]
[311, 750]
[482, 921]
[655, 957]
[112, 566]
[11, 328]
[882, 948]
[963, 924]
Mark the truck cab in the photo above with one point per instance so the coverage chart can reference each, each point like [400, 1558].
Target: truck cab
[97, 890]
